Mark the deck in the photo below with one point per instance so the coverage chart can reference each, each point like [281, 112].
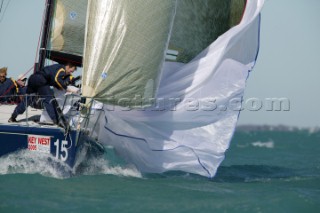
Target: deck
[29, 118]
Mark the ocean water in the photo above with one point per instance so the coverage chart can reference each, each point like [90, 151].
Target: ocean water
[265, 170]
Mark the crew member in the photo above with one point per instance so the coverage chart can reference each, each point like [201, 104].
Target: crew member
[8, 87]
[56, 75]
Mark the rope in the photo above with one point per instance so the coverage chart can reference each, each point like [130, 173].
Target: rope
[37, 52]
[1, 6]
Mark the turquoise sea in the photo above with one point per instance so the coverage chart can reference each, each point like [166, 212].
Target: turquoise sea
[265, 170]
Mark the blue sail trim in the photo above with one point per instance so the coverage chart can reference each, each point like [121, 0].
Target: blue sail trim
[156, 150]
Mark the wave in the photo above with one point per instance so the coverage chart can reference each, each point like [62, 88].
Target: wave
[89, 163]
[278, 128]
[268, 144]
[262, 173]
[28, 162]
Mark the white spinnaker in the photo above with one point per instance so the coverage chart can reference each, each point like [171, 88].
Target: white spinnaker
[193, 135]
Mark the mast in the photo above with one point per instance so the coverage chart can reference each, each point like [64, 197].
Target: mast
[45, 35]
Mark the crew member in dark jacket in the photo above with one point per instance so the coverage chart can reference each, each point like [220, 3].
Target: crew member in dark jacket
[56, 75]
[8, 87]
[22, 85]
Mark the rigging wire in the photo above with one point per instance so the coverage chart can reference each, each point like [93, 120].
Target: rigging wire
[5, 9]
[1, 5]
[41, 31]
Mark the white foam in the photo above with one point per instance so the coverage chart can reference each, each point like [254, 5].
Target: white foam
[28, 162]
[313, 130]
[100, 165]
[269, 144]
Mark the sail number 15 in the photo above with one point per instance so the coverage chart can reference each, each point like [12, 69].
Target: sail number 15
[61, 152]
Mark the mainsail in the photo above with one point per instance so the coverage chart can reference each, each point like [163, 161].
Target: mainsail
[171, 75]
[67, 29]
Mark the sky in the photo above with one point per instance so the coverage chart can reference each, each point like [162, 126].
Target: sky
[287, 67]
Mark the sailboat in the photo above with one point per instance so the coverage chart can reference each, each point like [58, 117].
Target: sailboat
[162, 80]
[35, 131]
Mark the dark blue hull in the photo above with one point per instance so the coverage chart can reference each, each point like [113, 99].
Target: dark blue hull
[51, 141]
